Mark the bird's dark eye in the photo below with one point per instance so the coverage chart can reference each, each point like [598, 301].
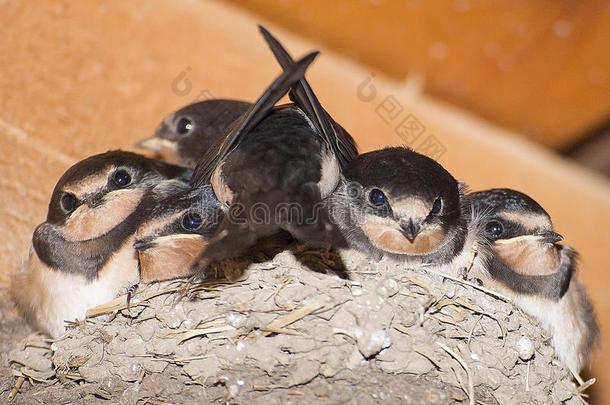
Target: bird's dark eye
[436, 208]
[191, 221]
[184, 126]
[494, 228]
[376, 197]
[121, 178]
[68, 202]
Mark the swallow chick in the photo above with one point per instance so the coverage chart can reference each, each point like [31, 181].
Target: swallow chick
[184, 136]
[271, 172]
[180, 227]
[400, 204]
[82, 255]
[175, 233]
[539, 274]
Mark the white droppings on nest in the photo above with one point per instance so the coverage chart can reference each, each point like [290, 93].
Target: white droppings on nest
[388, 288]
[285, 334]
[236, 320]
[526, 348]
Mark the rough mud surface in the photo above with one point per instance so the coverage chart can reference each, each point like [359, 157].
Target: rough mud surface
[286, 334]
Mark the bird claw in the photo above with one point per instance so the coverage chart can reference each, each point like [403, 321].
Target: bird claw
[463, 273]
[130, 293]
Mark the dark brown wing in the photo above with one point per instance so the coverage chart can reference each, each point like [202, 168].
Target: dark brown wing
[257, 111]
[342, 144]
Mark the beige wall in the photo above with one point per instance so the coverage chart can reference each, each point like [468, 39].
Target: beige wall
[541, 68]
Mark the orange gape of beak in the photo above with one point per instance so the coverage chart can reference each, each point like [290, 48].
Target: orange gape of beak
[394, 239]
[170, 257]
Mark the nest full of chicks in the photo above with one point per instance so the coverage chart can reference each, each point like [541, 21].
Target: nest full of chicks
[301, 269]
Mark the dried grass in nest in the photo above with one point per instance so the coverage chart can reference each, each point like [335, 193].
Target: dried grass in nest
[460, 314]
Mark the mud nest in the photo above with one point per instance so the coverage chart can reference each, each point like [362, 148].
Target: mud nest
[283, 333]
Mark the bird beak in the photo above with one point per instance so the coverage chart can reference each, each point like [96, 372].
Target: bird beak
[551, 237]
[99, 200]
[546, 237]
[144, 243]
[150, 242]
[148, 143]
[155, 143]
[410, 228]
[77, 211]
